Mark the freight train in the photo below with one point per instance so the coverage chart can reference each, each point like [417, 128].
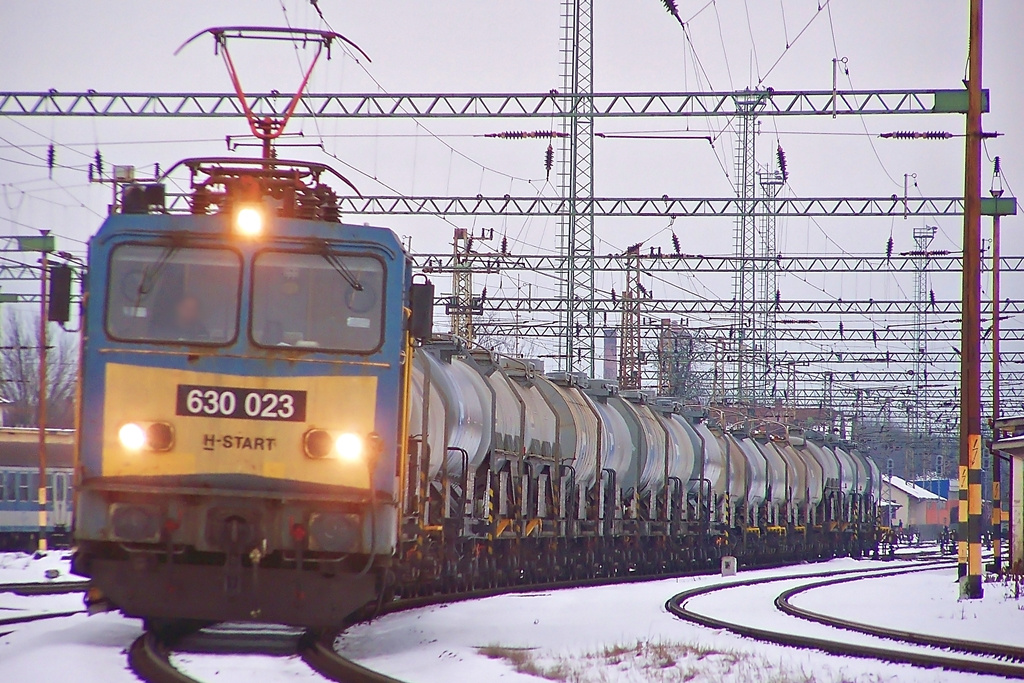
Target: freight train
[270, 431]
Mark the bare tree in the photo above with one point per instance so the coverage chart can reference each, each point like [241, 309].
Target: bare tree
[19, 373]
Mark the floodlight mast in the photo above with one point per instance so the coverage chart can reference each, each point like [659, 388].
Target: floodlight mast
[267, 128]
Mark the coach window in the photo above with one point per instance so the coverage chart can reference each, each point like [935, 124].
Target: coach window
[169, 294]
[23, 486]
[325, 300]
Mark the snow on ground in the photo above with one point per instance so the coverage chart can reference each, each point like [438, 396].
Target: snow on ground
[926, 602]
[244, 668]
[608, 633]
[603, 634]
[26, 568]
[76, 648]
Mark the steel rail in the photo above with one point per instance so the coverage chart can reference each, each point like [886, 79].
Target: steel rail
[783, 602]
[39, 616]
[45, 588]
[149, 658]
[677, 606]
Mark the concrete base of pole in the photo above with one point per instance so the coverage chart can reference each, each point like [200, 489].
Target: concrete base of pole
[970, 588]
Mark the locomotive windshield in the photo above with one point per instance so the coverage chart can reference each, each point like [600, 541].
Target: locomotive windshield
[318, 301]
[176, 295]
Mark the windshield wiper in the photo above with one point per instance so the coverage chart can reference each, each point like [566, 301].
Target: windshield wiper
[340, 268]
[151, 272]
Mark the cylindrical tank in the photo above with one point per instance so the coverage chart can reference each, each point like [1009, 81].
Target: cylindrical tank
[694, 469]
[576, 443]
[848, 468]
[619, 452]
[757, 470]
[435, 411]
[736, 467]
[650, 430]
[778, 471]
[863, 482]
[515, 388]
[797, 472]
[827, 462]
[714, 459]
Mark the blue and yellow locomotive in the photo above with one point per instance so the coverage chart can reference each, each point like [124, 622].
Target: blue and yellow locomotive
[244, 365]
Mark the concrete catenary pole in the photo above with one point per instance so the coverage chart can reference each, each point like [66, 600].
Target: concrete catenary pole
[970, 360]
[41, 418]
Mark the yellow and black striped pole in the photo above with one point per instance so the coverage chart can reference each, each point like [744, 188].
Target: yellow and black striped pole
[970, 359]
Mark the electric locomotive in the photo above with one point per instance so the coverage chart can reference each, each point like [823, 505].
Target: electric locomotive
[244, 377]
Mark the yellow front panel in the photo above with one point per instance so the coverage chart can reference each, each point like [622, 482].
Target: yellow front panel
[216, 445]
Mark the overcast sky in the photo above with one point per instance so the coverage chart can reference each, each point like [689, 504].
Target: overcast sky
[481, 46]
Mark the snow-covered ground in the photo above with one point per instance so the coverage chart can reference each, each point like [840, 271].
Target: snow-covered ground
[25, 568]
[611, 633]
[73, 648]
[606, 634]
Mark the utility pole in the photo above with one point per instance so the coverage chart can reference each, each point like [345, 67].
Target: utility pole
[969, 508]
[43, 319]
[997, 502]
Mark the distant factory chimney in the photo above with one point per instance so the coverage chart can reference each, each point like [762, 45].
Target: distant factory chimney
[611, 353]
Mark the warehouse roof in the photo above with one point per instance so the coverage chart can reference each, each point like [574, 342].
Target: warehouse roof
[912, 490]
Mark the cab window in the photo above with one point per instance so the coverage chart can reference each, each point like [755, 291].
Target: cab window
[324, 301]
[173, 295]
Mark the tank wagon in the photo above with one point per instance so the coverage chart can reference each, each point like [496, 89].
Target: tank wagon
[270, 431]
[514, 472]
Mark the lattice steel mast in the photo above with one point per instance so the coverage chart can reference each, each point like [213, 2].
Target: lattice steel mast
[923, 237]
[768, 286]
[745, 324]
[576, 177]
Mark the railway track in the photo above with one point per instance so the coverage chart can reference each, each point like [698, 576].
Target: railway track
[995, 650]
[149, 655]
[40, 588]
[974, 657]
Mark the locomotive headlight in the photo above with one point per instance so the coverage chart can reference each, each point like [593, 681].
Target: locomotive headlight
[349, 447]
[317, 443]
[249, 221]
[150, 436]
[132, 437]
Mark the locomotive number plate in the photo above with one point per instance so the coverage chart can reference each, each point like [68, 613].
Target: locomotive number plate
[241, 404]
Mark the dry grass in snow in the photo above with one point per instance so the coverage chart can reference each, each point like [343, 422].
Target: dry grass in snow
[661, 662]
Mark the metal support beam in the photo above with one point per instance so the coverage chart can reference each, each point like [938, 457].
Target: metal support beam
[476, 105]
[484, 262]
[633, 207]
